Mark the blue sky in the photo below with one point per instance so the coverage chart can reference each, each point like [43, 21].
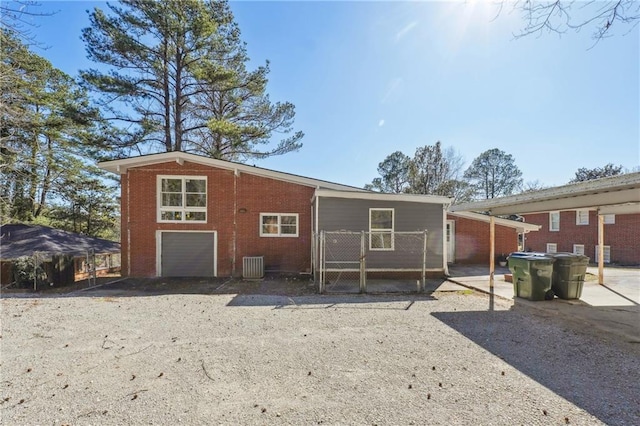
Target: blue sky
[371, 78]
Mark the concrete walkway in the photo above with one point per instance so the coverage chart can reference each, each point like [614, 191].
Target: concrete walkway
[613, 307]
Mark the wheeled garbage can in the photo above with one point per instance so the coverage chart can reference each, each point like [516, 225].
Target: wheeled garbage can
[569, 271]
[532, 274]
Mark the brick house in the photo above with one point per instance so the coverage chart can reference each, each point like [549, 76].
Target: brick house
[467, 234]
[576, 231]
[188, 215]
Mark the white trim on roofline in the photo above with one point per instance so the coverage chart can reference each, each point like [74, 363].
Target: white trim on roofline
[520, 226]
[615, 194]
[121, 166]
[379, 196]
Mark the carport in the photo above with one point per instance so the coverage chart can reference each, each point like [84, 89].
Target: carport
[610, 195]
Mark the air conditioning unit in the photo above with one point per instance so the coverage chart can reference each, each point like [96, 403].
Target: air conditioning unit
[253, 267]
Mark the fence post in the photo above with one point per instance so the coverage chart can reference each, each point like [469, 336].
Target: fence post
[424, 261]
[321, 262]
[363, 269]
[35, 271]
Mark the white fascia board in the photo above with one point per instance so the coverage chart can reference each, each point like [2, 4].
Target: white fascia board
[121, 167]
[379, 196]
[593, 194]
[520, 226]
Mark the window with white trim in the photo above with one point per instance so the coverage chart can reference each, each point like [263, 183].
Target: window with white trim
[381, 225]
[554, 221]
[607, 254]
[609, 219]
[278, 224]
[578, 249]
[582, 217]
[182, 199]
[552, 247]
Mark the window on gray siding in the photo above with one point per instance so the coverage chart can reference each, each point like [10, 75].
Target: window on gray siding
[381, 229]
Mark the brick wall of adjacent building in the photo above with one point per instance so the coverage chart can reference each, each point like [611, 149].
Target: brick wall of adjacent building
[234, 204]
[472, 240]
[623, 236]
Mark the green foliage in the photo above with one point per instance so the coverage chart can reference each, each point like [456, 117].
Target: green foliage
[50, 134]
[432, 170]
[584, 174]
[25, 272]
[178, 78]
[493, 174]
[394, 174]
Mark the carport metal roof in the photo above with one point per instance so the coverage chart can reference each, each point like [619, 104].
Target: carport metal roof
[611, 195]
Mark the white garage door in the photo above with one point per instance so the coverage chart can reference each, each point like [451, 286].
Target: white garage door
[187, 254]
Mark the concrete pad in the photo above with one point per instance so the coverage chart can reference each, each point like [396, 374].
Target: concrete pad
[612, 308]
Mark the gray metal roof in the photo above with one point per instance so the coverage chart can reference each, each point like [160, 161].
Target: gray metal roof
[17, 240]
[616, 194]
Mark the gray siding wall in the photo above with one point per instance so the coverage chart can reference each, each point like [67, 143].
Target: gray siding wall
[342, 214]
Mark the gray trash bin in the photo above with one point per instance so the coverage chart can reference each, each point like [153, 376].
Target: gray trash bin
[532, 273]
[569, 271]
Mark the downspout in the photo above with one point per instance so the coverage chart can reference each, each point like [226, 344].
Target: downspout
[128, 236]
[314, 231]
[235, 222]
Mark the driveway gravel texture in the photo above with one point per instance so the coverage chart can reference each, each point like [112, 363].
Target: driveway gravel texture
[101, 358]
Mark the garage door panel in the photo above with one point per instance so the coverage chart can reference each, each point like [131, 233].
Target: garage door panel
[188, 254]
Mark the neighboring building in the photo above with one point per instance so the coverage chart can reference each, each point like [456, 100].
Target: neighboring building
[576, 231]
[63, 256]
[467, 235]
[188, 215]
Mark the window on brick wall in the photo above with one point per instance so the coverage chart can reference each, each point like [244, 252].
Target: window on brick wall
[552, 247]
[582, 217]
[278, 224]
[609, 219]
[607, 254]
[578, 249]
[182, 199]
[554, 221]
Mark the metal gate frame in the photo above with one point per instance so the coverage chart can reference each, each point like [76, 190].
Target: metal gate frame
[321, 262]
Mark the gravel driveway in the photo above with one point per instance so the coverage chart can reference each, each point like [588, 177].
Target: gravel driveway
[234, 359]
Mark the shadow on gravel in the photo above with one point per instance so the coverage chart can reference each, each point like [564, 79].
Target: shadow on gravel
[319, 301]
[278, 291]
[592, 374]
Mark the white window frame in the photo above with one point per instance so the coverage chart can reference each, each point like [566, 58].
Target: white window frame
[183, 209]
[609, 219]
[551, 216]
[607, 254]
[578, 249]
[552, 247]
[582, 217]
[389, 231]
[279, 224]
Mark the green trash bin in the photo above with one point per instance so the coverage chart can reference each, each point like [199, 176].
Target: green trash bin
[532, 274]
[569, 271]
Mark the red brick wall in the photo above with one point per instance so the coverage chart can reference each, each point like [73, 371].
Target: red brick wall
[472, 240]
[623, 236]
[224, 200]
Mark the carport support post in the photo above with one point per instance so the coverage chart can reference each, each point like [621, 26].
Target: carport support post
[321, 261]
[363, 269]
[424, 261]
[600, 249]
[492, 251]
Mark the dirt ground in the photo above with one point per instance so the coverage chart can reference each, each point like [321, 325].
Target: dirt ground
[170, 354]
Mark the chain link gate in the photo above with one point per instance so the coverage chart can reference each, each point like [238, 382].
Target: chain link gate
[346, 262]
